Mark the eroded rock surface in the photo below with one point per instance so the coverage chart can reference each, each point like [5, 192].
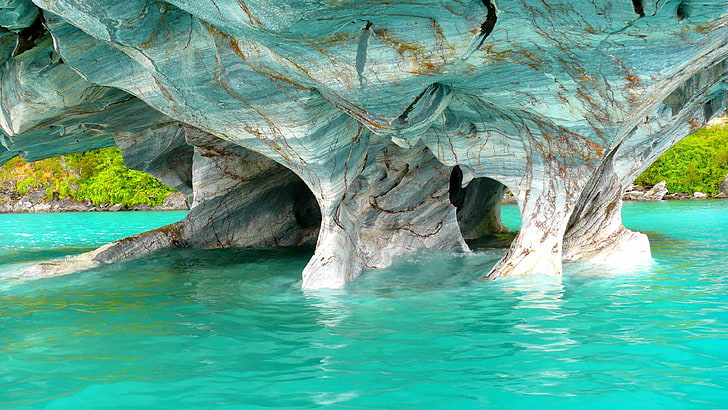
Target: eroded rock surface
[405, 121]
[241, 198]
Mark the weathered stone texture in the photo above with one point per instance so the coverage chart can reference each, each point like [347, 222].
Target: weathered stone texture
[399, 204]
[373, 105]
[241, 198]
[49, 110]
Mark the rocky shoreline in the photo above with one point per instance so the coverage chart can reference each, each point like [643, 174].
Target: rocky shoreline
[34, 202]
[659, 192]
[655, 193]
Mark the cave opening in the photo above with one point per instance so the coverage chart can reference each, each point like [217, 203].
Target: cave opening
[480, 211]
[306, 209]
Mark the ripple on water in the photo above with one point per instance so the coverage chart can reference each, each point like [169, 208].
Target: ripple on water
[232, 327]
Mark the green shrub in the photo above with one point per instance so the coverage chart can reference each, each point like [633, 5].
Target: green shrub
[106, 180]
[697, 163]
[26, 184]
[99, 176]
[65, 188]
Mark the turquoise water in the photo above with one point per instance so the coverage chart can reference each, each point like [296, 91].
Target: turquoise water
[231, 328]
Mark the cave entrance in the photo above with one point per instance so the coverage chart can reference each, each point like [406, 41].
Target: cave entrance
[480, 211]
[306, 211]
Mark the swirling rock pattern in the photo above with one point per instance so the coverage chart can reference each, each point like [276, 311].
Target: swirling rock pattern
[382, 110]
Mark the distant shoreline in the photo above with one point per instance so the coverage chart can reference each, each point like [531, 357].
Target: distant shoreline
[640, 194]
[32, 204]
[680, 196]
[659, 192]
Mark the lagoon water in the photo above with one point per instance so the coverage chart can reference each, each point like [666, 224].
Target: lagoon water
[232, 328]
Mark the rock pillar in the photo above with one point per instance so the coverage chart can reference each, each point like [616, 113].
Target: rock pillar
[595, 232]
[537, 248]
[398, 205]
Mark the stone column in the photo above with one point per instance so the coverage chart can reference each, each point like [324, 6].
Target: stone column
[398, 205]
[595, 232]
[545, 212]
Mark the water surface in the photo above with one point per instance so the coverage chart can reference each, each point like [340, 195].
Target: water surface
[232, 328]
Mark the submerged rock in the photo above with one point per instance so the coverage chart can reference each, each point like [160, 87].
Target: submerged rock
[386, 129]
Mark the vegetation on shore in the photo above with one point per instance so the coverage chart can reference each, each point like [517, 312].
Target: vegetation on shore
[99, 176]
[698, 163]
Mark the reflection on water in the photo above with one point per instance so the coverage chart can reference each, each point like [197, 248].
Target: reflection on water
[535, 292]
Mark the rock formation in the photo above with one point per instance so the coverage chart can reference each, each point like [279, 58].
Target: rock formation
[724, 187]
[405, 121]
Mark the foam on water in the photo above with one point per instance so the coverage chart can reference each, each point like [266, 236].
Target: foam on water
[232, 328]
